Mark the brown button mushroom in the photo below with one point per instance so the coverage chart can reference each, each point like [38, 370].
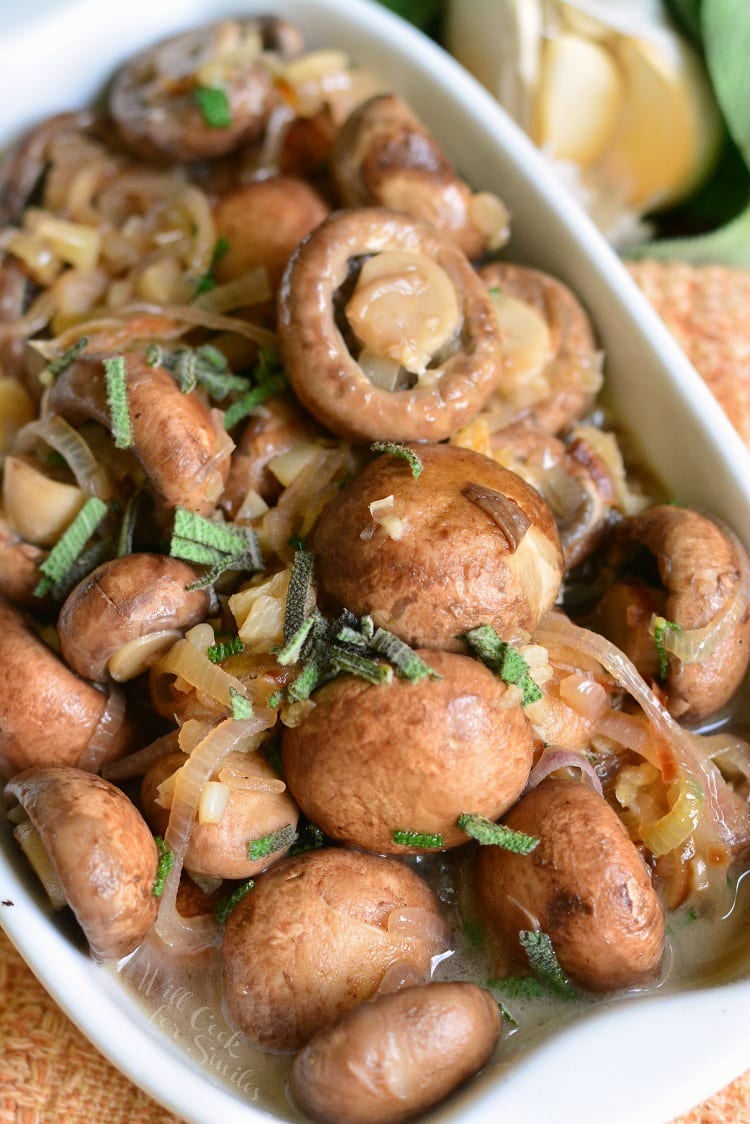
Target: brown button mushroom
[47, 714]
[263, 222]
[256, 806]
[385, 330]
[315, 937]
[120, 618]
[101, 850]
[575, 480]
[180, 442]
[705, 592]
[274, 429]
[395, 1056]
[371, 760]
[471, 544]
[552, 367]
[384, 156]
[161, 100]
[584, 885]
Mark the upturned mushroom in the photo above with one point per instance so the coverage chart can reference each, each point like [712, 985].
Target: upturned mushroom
[384, 156]
[101, 852]
[579, 485]
[395, 1056]
[119, 619]
[203, 93]
[47, 714]
[465, 543]
[696, 622]
[385, 330]
[584, 885]
[181, 444]
[244, 804]
[552, 370]
[380, 765]
[316, 936]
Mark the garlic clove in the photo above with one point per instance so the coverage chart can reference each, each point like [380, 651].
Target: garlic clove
[663, 142]
[580, 99]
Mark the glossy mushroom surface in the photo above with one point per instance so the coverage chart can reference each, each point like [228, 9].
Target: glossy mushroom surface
[455, 743]
[474, 545]
[419, 303]
[395, 1056]
[101, 849]
[312, 940]
[584, 885]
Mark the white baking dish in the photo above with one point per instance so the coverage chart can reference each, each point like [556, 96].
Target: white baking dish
[643, 1060]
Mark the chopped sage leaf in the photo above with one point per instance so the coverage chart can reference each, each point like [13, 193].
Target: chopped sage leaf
[298, 593]
[68, 548]
[127, 527]
[164, 866]
[56, 366]
[351, 663]
[207, 282]
[505, 660]
[252, 399]
[404, 659]
[227, 904]
[214, 106]
[222, 651]
[396, 449]
[544, 962]
[517, 987]
[418, 839]
[270, 844]
[117, 401]
[291, 651]
[242, 707]
[662, 626]
[496, 834]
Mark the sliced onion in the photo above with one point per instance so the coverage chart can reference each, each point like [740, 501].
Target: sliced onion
[415, 924]
[683, 817]
[553, 759]
[584, 695]
[195, 933]
[107, 729]
[302, 500]
[398, 975]
[502, 510]
[184, 660]
[252, 287]
[726, 813]
[193, 314]
[241, 781]
[138, 763]
[38, 315]
[213, 802]
[30, 842]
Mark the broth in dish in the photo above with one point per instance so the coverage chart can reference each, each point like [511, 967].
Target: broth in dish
[301, 490]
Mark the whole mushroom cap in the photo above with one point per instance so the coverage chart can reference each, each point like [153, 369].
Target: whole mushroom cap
[370, 760]
[476, 545]
[101, 849]
[48, 716]
[396, 1055]
[311, 940]
[584, 885]
[125, 600]
[220, 850]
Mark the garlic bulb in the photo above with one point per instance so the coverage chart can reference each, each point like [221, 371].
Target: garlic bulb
[616, 99]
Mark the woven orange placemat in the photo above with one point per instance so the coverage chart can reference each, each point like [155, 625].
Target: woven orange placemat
[49, 1072]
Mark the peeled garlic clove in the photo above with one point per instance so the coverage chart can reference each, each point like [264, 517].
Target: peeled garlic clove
[669, 129]
[580, 99]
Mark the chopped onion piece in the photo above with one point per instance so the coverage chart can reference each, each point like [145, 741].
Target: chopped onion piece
[90, 476]
[184, 660]
[195, 933]
[194, 314]
[138, 763]
[251, 288]
[398, 975]
[213, 801]
[680, 821]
